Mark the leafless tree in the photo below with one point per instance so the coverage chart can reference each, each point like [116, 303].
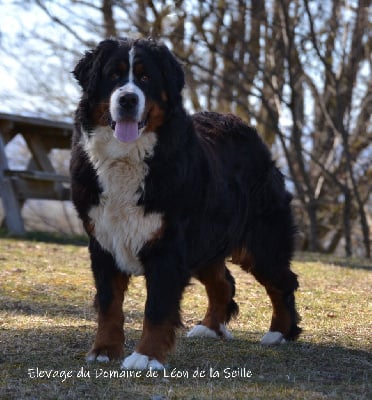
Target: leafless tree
[298, 70]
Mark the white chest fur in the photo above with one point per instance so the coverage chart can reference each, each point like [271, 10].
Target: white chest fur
[121, 226]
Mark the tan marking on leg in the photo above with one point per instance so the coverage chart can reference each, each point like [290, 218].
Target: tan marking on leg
[219, 293]
[281, 318]
[279, 287]
[157, 340]
[109, 339]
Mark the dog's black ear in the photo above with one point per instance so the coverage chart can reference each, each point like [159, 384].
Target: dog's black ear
[83, 68]
[88, 69]
[172, 71]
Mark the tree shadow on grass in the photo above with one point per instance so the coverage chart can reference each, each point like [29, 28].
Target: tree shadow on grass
[301, 370]
[232, 369]
[50, 309]
[352, 263]
[48, 237]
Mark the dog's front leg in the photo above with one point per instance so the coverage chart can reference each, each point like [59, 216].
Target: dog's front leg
[111, 285]
[166, 278]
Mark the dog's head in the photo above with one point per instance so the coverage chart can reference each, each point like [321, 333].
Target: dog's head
[131, 85]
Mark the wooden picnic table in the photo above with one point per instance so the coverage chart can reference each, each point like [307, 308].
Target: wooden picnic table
[39, 180]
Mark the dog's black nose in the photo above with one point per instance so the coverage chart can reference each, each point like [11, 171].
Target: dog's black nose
[129, 101]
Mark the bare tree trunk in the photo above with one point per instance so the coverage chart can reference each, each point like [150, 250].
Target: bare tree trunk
[347, 222]
[108, 18]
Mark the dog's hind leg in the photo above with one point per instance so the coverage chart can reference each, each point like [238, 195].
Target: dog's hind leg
[280, 284]
[220, 287]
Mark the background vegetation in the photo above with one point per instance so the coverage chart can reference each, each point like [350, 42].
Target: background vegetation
[298, 70]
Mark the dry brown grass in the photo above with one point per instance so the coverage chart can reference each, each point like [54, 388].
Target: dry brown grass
[47, 322]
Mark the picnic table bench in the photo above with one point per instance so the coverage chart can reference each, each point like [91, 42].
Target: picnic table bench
[39, 180]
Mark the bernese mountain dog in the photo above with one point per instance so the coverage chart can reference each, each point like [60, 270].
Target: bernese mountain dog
[170, 196]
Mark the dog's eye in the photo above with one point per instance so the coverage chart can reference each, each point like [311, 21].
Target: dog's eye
[144, 78]
[114, 76]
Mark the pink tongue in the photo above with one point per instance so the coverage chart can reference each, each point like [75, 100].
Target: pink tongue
[126, 131]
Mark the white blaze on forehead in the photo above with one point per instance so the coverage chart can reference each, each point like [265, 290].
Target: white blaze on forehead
[131, 61]
[129, 87]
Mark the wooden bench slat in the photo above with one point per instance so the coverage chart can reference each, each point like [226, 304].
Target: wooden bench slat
[39, 180]
[37, 175]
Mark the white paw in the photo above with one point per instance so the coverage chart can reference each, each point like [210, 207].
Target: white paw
[225, 332]
[203, 331]
[140, 361]
[93, 356]
[271, 338]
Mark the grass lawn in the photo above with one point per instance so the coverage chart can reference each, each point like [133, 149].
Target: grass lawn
[47, 324]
